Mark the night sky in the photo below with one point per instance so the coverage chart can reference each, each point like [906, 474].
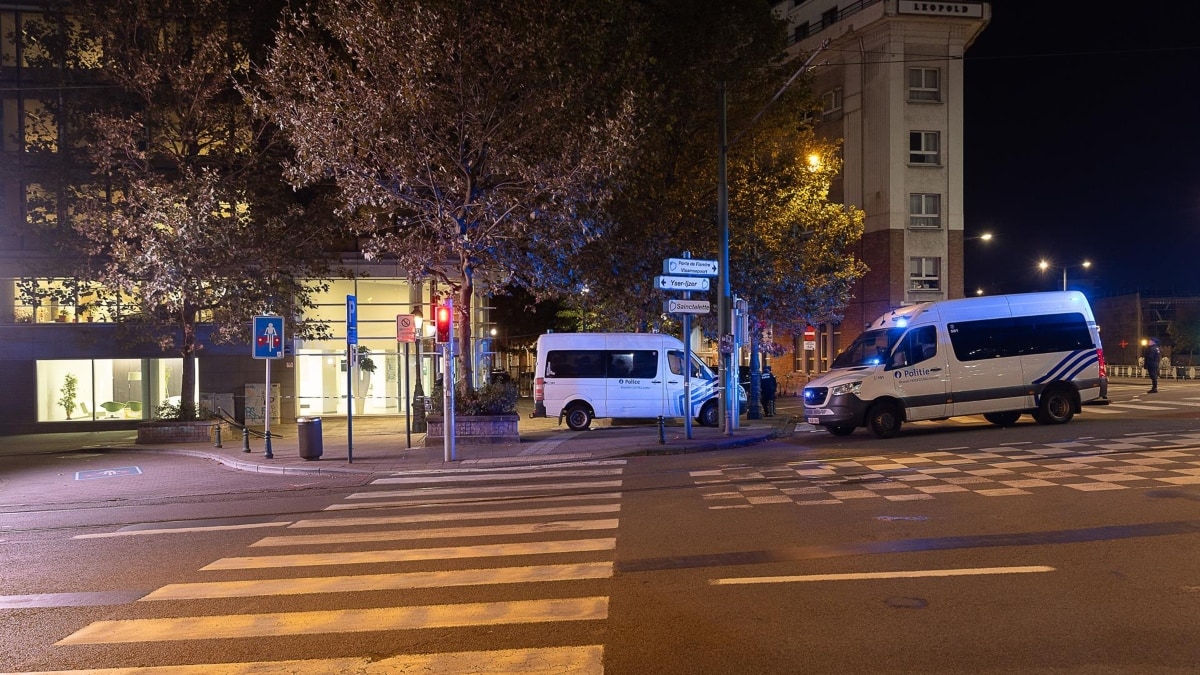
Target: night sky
[1083, 143]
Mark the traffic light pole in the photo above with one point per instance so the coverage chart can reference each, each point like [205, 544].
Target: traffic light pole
[448, 389]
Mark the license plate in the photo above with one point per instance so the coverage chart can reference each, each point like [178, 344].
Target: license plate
[814, 420]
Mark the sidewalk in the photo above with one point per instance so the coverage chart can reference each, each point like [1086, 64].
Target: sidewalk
[380, 445]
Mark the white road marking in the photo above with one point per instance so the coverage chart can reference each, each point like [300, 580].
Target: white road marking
[381, 582]
[494, 489]
[475, 515]
[585, 660]
[440, 533]
[472, 500]
[527, 467]
[232, 626]
[474, 478]
[1134, 406]
[408, 555]
[857, 576]
[179, 530]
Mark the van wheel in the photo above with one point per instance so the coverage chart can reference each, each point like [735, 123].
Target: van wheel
[884, 419]
[840, 429]
[709, 414]
[1003, 419]
[1056, 407]
[579, 417]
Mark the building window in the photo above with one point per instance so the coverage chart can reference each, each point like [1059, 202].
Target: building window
[801, 32]
[924, 274]
[925, 210]
[924, 84]
[831, 104]
[924, 147]
[829, 17]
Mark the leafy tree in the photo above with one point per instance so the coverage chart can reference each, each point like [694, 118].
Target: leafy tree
[1184, 331]
[465, 137]
[788, 248]
[170, 190]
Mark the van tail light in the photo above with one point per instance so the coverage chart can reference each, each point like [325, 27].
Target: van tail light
[1103, 365]
[539, 387]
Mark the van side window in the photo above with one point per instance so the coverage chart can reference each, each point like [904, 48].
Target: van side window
[1019, 336]
[575, 363]
[920, 344]
[637, 364]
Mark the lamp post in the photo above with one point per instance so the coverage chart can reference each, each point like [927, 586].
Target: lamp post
[419, 424]
[986, 237]
[1043, 265]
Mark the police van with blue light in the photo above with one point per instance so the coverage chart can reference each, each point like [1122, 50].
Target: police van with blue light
[1000, 356]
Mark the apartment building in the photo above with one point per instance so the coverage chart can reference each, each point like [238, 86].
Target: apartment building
[890, 79]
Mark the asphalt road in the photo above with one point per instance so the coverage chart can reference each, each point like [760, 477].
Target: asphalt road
[956, 547]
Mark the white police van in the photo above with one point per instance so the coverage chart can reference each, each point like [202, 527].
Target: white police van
[1001, 356]
[582, 376]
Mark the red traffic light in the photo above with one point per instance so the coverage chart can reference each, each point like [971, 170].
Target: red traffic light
[444, 320]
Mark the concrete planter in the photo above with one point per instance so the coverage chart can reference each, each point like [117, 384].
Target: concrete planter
[474, 430]
[176, 431]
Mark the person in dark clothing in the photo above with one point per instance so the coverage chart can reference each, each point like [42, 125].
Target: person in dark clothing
[767, 387]
[1152, 355]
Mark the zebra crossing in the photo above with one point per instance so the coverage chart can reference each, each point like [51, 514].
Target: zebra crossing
[546, 537]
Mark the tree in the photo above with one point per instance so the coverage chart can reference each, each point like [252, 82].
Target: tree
[171, 191]
[788, 244]
[465, 137]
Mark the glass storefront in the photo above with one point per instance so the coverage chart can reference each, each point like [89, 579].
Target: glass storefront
[106, 389]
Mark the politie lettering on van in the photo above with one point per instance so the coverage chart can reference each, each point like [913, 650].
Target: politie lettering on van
[583, 376]
[1000, 356]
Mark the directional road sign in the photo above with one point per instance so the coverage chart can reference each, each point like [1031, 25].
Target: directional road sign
[674, 306]
[268, 337]
[681, 283]
[690, 266]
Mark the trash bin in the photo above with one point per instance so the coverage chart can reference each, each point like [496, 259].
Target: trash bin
[308, 432]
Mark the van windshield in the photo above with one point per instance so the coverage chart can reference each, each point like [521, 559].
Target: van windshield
[869, 349]
[699, 369]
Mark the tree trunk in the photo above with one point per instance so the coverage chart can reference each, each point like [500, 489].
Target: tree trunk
[187, 394]
[754, 411]
[466, 359]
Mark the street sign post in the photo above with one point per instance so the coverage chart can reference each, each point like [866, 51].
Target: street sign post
[268, 344]
[406, 328]
[810, 339]
[351, 360]
[678, 306]
[686, 284]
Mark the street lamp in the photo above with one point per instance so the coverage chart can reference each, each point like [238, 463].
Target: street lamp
[1043, 265]
[986, 236]
[583, 311]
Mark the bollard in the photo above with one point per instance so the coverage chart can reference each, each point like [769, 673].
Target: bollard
[245, 439]
[217, 441]
[662, 431]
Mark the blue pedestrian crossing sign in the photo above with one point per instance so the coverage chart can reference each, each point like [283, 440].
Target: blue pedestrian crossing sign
[268, 337]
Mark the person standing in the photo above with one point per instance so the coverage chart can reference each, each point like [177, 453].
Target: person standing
[767, 387]
[1151, 356]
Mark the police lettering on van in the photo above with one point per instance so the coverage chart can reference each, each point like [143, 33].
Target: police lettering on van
[1000, 356]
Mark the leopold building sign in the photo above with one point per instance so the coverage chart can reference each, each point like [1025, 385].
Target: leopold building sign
[967, 9]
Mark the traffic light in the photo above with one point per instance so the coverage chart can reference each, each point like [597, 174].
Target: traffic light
[444, 320]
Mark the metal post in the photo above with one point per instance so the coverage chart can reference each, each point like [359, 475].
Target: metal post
[407, 402]
[267, 412]
[662, 431]
[687, 365]
[217, 443]
[351, 359]
[723, 327]
[448, 390]
[245, 439]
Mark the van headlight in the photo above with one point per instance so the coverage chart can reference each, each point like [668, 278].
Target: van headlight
[847, 388]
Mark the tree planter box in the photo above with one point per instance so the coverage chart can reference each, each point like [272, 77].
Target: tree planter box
[469, 430]
[176, 431]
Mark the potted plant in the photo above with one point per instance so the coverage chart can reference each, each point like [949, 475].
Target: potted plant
[481, 416]
[69, 391]
[362, 384]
